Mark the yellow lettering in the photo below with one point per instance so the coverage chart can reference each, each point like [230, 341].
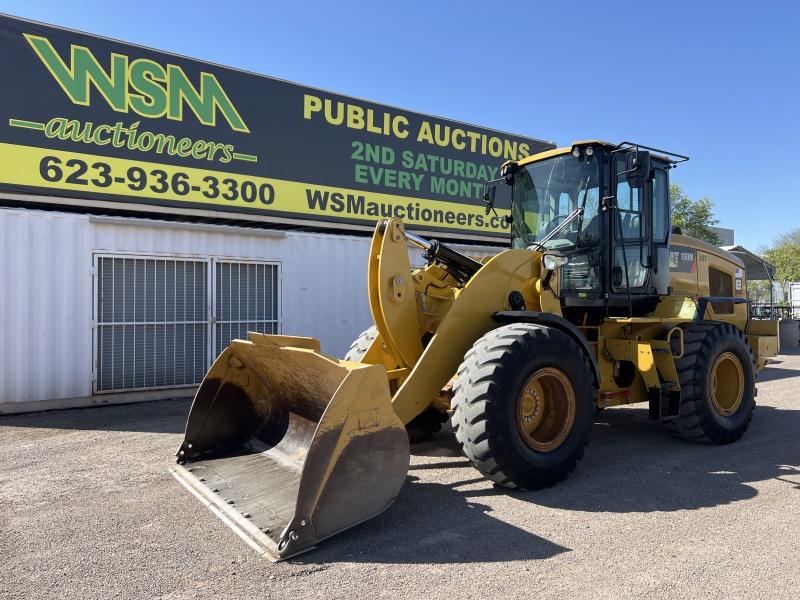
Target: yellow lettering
[495, 147]
[458, 133]
[509, 149]
[425, 134]
[473, 140]
[371, 127]
[399, 125]
[334, 120]
[355, 117]
[311, 104]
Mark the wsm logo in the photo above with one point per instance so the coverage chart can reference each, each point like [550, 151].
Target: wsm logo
[142, 86]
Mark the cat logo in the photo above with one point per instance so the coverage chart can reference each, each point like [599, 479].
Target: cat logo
[368, 419]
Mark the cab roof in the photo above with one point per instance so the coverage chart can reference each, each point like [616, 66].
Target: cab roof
[567, 149]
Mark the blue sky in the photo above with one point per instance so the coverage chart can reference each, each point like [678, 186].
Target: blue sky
[719, 81]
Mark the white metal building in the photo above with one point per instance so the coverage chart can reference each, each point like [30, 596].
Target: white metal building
[102, 309]
[134, 245]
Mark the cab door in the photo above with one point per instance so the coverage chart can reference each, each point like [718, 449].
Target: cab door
[631, 240]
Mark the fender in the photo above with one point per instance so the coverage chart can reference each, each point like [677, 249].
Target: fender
[466, 320]
[556, 322]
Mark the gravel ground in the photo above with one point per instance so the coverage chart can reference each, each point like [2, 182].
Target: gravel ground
[88, 509]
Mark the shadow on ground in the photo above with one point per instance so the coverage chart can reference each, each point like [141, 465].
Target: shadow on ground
[434, 523]
[635, 465]
[789, 351]
[774, 373]
[158, 416]
[444, 513]
[632, 465]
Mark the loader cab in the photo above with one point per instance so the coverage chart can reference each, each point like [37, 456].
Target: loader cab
[603, 212]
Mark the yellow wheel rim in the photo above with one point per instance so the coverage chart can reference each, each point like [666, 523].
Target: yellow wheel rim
[546, 409]
[726, 384]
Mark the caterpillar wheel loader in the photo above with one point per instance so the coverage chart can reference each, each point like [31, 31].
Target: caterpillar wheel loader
[598, 302]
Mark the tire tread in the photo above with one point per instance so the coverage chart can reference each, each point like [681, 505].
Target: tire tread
[490, 360]
[694, 422]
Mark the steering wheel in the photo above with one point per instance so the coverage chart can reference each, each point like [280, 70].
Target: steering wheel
[554, 223]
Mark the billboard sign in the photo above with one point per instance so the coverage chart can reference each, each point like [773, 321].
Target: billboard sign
[88, 118]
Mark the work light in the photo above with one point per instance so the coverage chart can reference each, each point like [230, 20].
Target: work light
[553, 261]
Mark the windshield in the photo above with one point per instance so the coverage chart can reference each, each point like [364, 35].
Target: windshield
[544, 195]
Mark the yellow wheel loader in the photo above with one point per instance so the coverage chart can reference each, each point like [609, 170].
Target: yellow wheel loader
[598, 302]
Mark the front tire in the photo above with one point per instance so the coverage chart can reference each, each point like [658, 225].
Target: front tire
[523, 405]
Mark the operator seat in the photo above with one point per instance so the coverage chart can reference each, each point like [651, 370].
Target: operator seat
[592, 230]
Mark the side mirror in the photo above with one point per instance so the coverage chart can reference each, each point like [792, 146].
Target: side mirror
[637, 168]
[489, 192]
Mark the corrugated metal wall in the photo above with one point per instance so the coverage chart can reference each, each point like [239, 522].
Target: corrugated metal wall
[46, 287]
[45, 306]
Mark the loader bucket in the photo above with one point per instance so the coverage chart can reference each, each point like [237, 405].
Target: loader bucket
[288, 446]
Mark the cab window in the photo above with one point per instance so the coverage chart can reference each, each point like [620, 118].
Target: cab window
[630, 225]
[660, 207]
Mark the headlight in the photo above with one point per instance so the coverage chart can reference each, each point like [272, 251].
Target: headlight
[553, 261]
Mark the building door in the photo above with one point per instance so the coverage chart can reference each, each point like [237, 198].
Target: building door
[151, 322]
[245, 299]
[155, 326]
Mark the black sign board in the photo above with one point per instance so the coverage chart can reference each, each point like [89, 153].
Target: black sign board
[88, 118]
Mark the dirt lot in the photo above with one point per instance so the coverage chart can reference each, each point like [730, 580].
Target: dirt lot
[88, 509]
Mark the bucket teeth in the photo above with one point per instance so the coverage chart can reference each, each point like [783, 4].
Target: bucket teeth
[289, 446]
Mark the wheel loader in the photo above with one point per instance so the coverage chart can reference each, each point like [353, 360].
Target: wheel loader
[598, 302]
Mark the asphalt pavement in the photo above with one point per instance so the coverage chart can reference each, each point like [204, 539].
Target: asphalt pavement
[89, 510]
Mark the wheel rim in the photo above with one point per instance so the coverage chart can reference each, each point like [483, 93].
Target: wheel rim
[726, 384]
[546, 409]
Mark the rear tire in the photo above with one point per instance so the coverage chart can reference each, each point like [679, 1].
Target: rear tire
[717, 377]
[422, 427]
[496, 398]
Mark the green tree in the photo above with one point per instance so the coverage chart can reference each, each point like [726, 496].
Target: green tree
[790, 237]
[784, 255]
[694, 217]
[758, 291]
